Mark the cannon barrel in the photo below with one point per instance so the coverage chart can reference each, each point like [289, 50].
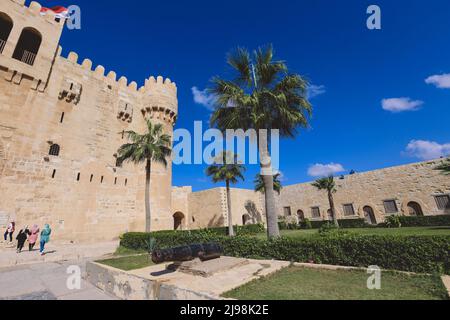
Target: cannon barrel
[204, 252]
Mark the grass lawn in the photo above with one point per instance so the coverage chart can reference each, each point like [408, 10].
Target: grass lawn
[297, 283]
[122, 251]
[417, 231]
[128, 263]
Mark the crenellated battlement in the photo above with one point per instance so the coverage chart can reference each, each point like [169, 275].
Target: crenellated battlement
[34, 11]
[153, 86]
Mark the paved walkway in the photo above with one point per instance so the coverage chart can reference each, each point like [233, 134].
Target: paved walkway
[55, 252]
[45, 281]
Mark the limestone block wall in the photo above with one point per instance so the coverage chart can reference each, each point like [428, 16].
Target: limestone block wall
[418, 182]
[209, 209]
[47, 26]
[206, 209]
[180, 204]
[62, 101]
[246, 206]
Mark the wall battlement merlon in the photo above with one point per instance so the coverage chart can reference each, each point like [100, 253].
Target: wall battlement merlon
[152, 85]
[34, 9]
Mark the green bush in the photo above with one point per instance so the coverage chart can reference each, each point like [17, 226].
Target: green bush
[250, 229]
[426, 221]
[306, 224]
[343, 223]
[393, 222]
[424, 254]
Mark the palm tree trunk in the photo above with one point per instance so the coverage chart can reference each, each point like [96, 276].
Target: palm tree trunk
[333, 209]
[230, 214]
[273, 230]
[148, 220]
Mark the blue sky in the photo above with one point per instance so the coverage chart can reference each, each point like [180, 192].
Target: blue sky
[326, 41]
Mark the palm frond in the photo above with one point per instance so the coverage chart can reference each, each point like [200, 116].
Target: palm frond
[222, 170]
[240, 61]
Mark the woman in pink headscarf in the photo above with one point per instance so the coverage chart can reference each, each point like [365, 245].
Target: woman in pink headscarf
[32, 239]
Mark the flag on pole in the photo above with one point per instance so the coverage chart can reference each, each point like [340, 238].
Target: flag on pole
[61, 12]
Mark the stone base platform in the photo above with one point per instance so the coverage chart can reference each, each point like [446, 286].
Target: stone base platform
[209, 268]
[158, 282]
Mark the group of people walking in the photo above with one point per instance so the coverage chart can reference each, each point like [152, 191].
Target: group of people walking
[31, 235]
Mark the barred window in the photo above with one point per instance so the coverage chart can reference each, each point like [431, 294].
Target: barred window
[443, 202]
[390, 207]
[287, 211]
[54, 150]
[349, 210]
[315, 212]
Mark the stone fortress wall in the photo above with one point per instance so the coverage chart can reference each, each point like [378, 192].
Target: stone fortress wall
[414, 189]
[61, 123]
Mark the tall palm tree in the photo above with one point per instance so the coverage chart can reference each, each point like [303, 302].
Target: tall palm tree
[262, 96]
[329, 185]
[152, 146]
[260, 187]
[226, 168]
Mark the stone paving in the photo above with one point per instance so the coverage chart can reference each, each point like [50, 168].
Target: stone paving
[30, 276]
[55, 251]
[45, 281]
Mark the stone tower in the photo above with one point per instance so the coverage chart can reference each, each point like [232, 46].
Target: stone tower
[160, 105]
[61, 124]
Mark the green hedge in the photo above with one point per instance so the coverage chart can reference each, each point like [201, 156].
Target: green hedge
[343, 223]
[250, 229]
[423, 254]
[426, 221]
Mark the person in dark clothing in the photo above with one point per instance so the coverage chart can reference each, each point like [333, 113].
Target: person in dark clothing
[9, 231]
[21, 238]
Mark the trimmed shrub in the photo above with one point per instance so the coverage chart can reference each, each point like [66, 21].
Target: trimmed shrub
[306, 224]
[393, 222]
[423, 254]
[425, 221]
[343, 223]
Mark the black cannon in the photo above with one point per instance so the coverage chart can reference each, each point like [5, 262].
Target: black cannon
[204, 252]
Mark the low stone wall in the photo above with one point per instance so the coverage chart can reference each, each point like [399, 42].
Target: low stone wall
[126, 286]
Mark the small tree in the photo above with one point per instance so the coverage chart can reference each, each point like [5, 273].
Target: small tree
[329, 185]
[260, 186]
[153, 145]
[444, 167]
[226, 168]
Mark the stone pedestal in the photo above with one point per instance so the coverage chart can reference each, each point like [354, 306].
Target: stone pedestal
[208, 268]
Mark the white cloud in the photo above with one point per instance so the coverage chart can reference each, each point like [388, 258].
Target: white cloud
[314, 91]
[441, 81]
[323, 170]
[401, 104]
[202, 97]
[427, 150]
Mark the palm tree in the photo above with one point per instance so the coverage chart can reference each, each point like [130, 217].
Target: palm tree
[151, 146]
[229, 171]
[260, 187]
[329, 185]
[262, 96]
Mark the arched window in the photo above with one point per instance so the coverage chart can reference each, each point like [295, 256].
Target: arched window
[178, 221]
[414, 209]
[54, 150]
[28, 46]
[246, 219]
[300, 215]
[369, 215]
[6, 25]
